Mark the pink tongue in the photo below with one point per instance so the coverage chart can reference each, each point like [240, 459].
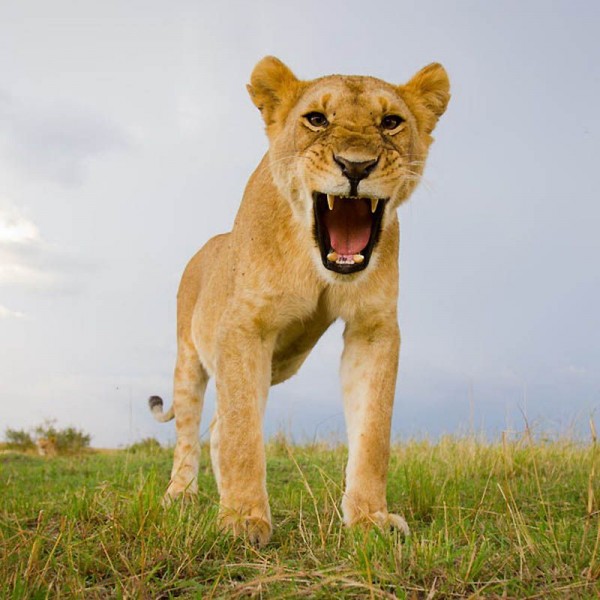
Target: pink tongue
[349, 225]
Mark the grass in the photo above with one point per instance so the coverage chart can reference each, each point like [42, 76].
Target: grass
[514, 519]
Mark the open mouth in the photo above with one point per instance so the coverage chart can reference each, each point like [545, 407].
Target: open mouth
[347, 229]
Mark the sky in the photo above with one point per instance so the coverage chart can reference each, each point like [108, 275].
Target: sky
[126, 140]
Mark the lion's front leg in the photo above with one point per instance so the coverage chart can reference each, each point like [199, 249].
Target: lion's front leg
[369, 367]
[243, 378]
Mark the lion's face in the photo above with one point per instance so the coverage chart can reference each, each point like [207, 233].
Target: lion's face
[346, 151]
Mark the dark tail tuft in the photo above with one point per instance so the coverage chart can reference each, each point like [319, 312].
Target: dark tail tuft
[156, 408]
[155, 402]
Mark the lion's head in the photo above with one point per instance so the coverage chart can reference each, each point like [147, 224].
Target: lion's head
[346, 150]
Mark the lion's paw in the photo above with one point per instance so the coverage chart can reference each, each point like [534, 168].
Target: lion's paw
[175, 492]
[385, 520]
[382, 520]
[257, 530]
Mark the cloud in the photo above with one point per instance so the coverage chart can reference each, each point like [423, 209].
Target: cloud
[574, 371]
[19, 239]
[55, 141]
[22, 275]
[6, 313]
[15, 228]
[27, 261]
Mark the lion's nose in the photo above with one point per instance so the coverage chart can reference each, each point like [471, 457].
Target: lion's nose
[355, 171]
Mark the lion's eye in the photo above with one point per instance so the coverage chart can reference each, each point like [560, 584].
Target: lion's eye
[391, 122]
[317, 119]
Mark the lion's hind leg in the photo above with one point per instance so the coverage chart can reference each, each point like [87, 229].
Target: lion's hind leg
[190, 383]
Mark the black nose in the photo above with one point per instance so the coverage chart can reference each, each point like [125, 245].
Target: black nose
[355, 171]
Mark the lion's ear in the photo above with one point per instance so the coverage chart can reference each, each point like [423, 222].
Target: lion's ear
[273, 87]
[430, 87]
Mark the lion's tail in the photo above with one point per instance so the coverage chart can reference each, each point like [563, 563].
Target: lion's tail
[156, 408]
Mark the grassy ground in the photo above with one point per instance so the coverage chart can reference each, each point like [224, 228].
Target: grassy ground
[509, 520]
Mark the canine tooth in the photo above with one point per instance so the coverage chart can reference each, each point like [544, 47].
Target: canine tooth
[358, 258]
[374, 202]
[330, 200]
[332, 256]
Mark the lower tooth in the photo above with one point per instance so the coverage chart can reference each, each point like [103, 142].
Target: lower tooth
[332, 256]
[358, 258]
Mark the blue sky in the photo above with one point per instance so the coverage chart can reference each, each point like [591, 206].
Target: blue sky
[116, 164]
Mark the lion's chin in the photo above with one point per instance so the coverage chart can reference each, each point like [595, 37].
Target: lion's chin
[347, 230]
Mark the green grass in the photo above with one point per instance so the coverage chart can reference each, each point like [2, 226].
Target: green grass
[514, 520]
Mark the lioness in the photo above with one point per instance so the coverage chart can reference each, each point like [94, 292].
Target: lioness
[47, 447]
[315, 239]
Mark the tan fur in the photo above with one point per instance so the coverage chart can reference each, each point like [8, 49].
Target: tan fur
[46, 447]
[252, 303]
